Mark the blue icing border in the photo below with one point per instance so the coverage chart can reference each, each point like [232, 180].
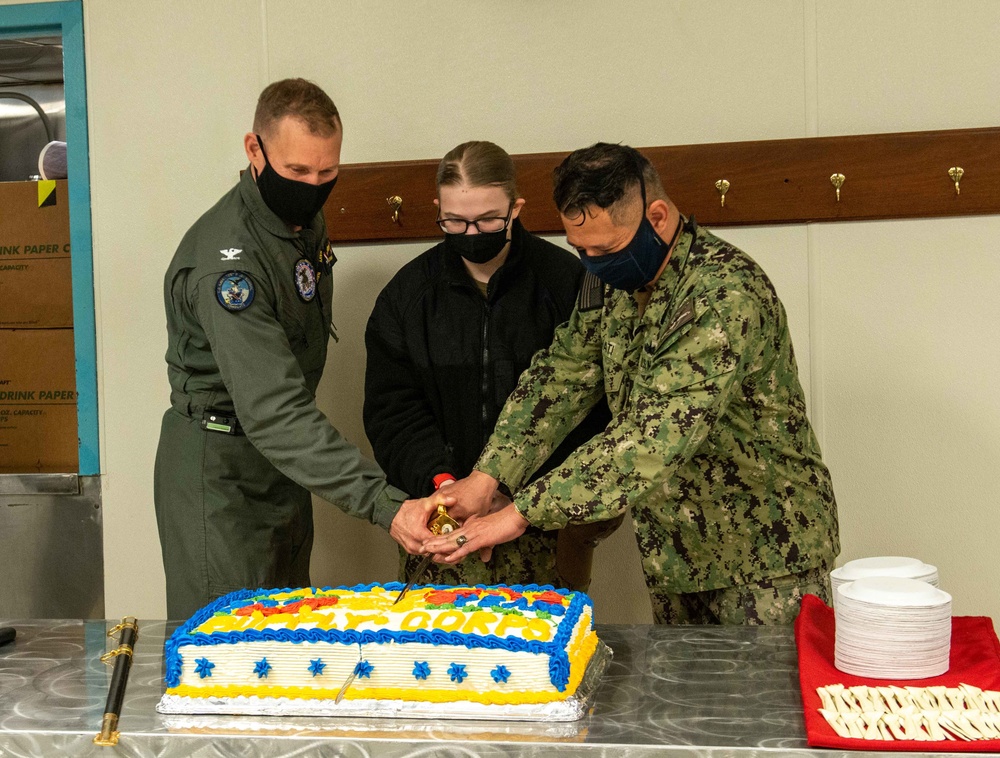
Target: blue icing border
[184, 635]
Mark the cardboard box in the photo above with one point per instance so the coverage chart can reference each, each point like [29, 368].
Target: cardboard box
[38, 427]
[36, 284]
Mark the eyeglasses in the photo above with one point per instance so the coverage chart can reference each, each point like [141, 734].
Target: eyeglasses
[483, 225]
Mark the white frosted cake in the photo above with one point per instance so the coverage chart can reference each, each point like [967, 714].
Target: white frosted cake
[517, 651]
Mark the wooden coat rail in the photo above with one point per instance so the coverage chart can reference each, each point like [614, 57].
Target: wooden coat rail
[903, 175]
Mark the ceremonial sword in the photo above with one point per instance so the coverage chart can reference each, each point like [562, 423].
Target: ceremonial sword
[442, 523]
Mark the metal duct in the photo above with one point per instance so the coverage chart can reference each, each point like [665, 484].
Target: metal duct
[32, 103]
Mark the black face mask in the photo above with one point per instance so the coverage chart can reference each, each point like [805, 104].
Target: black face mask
[479, 248]
[476, 248]
[636, 264]
[294, 202]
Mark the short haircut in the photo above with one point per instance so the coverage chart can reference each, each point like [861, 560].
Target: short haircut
[478, 164]
[605, 176]
[299, 98]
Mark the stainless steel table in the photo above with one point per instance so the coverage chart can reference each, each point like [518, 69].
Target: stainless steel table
[670, 691]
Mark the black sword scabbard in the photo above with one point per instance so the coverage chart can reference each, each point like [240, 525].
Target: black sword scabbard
[121, 657]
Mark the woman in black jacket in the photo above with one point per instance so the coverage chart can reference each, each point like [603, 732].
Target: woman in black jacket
[447, 340]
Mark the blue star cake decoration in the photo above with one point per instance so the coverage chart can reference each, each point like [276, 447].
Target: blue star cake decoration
[261, 668]
[457, 672]
[364, 669]
[421, 670]
[203, 667]
[316, 667]
[500, 674]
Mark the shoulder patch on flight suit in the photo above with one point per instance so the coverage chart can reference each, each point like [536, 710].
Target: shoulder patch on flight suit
[305, 279]
[591, 293]
[681, 316]
[235, 290]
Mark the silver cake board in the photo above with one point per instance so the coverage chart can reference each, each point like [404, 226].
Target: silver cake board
[571, 709]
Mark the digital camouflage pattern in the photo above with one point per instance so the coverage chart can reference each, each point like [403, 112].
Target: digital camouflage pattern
[770, 601]
[709, 443]
[530, 559]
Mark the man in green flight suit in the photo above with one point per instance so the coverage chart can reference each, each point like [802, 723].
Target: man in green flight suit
[709, 444]
[248, 299]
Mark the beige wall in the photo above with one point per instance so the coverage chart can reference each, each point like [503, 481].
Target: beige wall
[894, 323]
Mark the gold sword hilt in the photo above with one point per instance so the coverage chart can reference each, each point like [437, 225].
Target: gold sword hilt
[442, 523]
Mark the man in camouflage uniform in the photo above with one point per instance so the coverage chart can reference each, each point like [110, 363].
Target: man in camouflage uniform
[709, 445]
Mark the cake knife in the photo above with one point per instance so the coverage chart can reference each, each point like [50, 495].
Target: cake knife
[350, 679]
[442, 523]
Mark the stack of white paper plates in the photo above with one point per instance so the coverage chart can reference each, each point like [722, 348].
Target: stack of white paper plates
[892, 628]
[884, 565]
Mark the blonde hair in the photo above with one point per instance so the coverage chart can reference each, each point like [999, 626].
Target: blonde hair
[478, 164]
[300, 98]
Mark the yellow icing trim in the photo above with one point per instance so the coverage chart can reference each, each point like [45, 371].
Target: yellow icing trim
[578, 663]
[380, 693]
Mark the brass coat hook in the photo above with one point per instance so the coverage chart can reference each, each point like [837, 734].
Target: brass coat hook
[722, 185]
[837, 180]
[956, 172]
[396, 203]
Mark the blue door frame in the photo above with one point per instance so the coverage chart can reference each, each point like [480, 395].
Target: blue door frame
[66, 20]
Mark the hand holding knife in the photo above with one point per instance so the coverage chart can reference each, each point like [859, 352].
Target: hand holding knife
[442, 523]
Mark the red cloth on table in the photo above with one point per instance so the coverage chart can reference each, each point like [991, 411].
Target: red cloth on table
[975, 660]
